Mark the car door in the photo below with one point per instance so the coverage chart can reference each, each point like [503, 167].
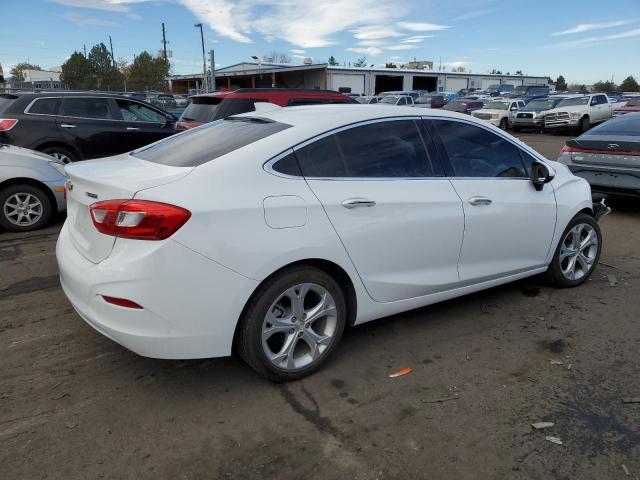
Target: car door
[508, 223]
[90, 124]
[142, 124]
[398, 217]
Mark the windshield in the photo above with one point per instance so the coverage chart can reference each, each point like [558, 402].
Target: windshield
[542, 104]
[570, 102]
[423, 100]
[391, 100]
[626, 125]
[202, 110]
[496, 105]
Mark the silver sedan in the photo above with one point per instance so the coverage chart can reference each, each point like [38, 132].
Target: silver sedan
[31, 188]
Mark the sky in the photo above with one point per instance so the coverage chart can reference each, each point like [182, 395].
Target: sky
[583, 40]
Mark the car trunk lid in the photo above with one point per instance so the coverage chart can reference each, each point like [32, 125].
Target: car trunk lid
[614, 151]
[112, 178]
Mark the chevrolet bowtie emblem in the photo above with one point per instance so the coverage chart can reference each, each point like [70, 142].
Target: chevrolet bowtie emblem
[69, 185]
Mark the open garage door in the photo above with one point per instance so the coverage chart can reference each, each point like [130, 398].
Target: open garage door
[425, 83]
[343, 81]
[386, 83]
[454, 84]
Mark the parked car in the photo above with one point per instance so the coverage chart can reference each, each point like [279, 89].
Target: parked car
[463, 106]
[608, 156]
[79, 126]
[630, 106]
[499, 113]
[500, 90]
[579, 113]
[166, 101]
[31, 188]
[529, 92]
[181, 100]
[463, 92]
[397, 100]
[430, 101]
[368, 99]
[208, 107]
[532, 115]
[395, 93]
[265, 232]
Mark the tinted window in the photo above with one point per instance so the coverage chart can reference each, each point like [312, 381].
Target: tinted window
[235, 106]
[136, 112]
[6, 100]
[202, 144]
[382, 149]
[288, 165]
[45, 106]
[628, 124]
[202, 110]
[97, 108]
[602, 99]
[476, 152]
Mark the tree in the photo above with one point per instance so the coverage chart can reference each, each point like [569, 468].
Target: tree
[332, 61]
[277, 57]
[574, 87]
[107, 76]
[361, 62]
[561, 83]
[630, 84]
[518, 72]
[17, 72]
[495, 72]
[390, 65]
[605, 87]
[459, 68]
[147, 73]
[76, 73]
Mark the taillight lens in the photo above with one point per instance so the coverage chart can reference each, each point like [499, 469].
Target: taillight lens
[138, 219]
[568, 149]
[7, 124]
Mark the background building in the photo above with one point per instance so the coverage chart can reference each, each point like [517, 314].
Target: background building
[39, 79]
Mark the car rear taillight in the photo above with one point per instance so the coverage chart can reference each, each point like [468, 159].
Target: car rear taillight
[121, 302]
[7, 124]
[138, 219]
[568, 149]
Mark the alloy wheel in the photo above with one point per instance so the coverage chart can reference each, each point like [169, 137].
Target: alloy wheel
[578, 251]
[23, 209]
[299, 326]
[61, 157]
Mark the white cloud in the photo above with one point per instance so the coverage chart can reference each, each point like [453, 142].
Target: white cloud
[297, 51]
[371, 51]
[600, 39]
[416, 39]
[108, 5]
[222, 16]
[82, 20]
[585, 27]
[403, 46]
[422, 27]
[375, 33]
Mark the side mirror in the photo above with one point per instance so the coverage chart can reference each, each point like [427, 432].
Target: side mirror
[540, 174]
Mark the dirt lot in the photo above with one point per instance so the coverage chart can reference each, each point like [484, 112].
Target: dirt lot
[74, 405]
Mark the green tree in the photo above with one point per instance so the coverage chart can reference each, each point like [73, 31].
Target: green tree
[148, 73]
[630, 84]
[332, 61]
[561, 83]
[17, 72]
[390, 65]
[76, 73]
[496, 72]
[361, 62]
[519, 72]
[605, 87]
[107, 76]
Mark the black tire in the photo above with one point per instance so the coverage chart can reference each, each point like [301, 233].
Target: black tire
[63, 154]
[10, 191]
[249, 338]
[504, 124]
[554, 272]
[585, 124]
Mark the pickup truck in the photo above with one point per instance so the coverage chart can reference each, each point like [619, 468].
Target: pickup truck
[579, 113]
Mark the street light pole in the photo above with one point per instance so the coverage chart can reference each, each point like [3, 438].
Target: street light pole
[204, 59]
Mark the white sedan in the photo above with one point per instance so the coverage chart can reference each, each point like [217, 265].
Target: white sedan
[270, 232]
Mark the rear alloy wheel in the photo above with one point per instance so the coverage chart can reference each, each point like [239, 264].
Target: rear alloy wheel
[61, 154]
[578, 252]
[24, 208]
[503, 124]
[293, 324]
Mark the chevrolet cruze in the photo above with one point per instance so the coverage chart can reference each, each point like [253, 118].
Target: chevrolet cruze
[268, 233]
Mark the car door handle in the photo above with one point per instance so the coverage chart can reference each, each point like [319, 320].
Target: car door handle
[357, 203]
[133, 129]
[477, 201]
[67, 125]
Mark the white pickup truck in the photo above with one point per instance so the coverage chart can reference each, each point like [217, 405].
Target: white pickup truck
[579, 113]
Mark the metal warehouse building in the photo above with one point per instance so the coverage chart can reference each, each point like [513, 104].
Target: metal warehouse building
[369, 81]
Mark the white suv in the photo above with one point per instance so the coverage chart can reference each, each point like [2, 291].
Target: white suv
[499, 112]
[579, 113]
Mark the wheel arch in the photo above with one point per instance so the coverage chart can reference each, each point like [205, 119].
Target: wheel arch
[59, 143]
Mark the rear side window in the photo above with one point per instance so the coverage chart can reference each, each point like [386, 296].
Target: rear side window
[94, 108]
[6, 100]
[200, 145]
[201, 110]
[45, 106]
[378, 150]
[288, 165]
[476, 152]
[136, 112]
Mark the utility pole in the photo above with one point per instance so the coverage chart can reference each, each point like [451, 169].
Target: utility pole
[85, 49]
[164, 42]
[212, 82]
[112, 58]
[204, 59]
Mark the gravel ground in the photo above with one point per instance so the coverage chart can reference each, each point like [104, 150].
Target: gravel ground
[74, 405]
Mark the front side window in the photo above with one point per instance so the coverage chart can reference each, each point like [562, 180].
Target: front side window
[476, 152]
[94, 108]
[378, 150]
[45, 106]
[136, 112]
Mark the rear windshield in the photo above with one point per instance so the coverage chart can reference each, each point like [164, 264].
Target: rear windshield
[203, 144]
[201, 110]
[627, 125]
[6, 100]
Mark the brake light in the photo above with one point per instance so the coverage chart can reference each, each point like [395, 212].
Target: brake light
[568, 149]
[7, 124]
[138, 219]
[121, 302]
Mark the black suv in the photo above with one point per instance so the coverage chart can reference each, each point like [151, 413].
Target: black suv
[79, 126]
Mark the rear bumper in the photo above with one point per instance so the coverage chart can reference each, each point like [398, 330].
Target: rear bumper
[190, 304]
[605, 177]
